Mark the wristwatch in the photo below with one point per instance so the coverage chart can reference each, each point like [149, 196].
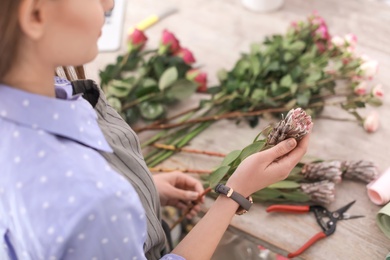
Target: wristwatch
[245, 203]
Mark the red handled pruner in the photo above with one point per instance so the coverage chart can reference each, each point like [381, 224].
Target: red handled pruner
[325, 218]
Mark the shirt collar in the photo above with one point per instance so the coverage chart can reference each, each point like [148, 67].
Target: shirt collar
[66, 115]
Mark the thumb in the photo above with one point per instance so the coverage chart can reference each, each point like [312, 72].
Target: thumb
[185, 194]
[280, 149]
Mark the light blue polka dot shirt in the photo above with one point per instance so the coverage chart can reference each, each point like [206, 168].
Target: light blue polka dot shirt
[59, 199]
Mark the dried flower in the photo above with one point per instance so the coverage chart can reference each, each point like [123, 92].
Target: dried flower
[330, 170]
[365, 171]
[321, 192]
[296, 125]
[371, 122]
[136, 40]
[200, 78]
[169, 43]
[186, 55]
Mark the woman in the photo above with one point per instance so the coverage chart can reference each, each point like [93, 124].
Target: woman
[59, 198]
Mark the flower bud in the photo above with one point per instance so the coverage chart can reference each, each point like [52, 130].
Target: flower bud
[377, 91]
[338, 41]
[361, 88]
[371, 122]
[186, 55]
[136, 40]
[200, 78]
[369, 68]
[169, 43]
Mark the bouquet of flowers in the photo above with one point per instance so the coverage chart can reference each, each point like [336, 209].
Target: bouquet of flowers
[143, 82]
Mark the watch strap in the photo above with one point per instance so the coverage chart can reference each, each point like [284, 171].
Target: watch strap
[237, 197]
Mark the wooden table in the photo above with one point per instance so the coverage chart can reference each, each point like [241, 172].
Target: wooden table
[217, 31]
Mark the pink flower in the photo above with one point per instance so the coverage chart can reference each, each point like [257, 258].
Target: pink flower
[321, 47]
[369, 68]
[186, 55]
[338, 41]
[169, 43]
[136, 40]
[371, 122]
[351, 39]
[361, 88]
[200, 78]
[377, 91]
[322, 32]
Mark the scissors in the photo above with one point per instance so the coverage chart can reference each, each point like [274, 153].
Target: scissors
[325, 218]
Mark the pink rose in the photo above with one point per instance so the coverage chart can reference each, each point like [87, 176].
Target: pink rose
[169, 43]
[371, 122]
[200, 78]
[136, 40]
[186, 55]
[369, 68]
[322, 32]
[361, 88]
[377, 91]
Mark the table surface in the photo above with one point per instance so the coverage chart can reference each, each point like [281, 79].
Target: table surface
[217, 32]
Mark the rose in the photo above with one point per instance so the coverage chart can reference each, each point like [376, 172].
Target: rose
[169, 43]
[338, 41]
[186, 55]
[200, 78]
[371, 122]
[136, 40]
[322, 32]
[377, 91]
[361, 88]
[368, 69]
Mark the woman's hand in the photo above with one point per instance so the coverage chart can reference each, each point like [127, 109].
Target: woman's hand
[267, 167]
[179, 190]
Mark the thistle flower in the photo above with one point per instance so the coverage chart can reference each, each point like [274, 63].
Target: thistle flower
[365, 171]
[296, 125]
[321, 192]
[330, 171]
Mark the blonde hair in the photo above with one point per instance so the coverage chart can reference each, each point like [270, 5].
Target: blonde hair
[10, 34]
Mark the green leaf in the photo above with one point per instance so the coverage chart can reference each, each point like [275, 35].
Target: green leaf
[293, 88]
[181, 89]
[286, 81]
[217, 175]
[230, 157]
[222, 75]
[314, 76]
[259, 94]
[288, 57]
[115, 103]
[303, 98]
[119, 88]
[151, 110]
[169, 76]
[296, 196]
[149, 82]
[251, 149]
[266, 194]
[255, 64]
[297, 46]
[284, 185]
